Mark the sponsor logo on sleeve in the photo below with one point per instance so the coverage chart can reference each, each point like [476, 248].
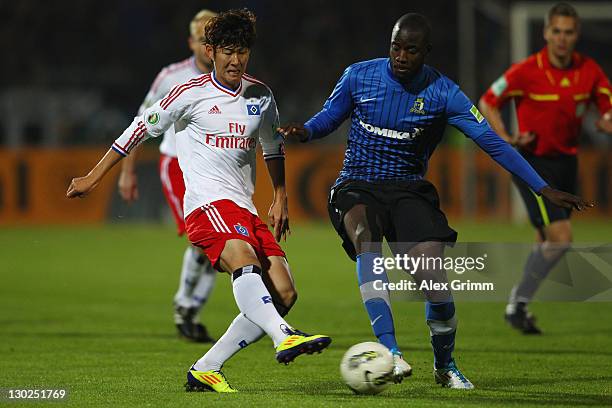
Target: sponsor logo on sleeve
[153, 118]
[476, 113]
[253, 109]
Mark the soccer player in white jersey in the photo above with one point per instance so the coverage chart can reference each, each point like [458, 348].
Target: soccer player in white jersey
[197, 274]
[219, 117]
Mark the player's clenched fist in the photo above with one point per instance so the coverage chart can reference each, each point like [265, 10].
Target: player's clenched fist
[80, 186]
[296, 130]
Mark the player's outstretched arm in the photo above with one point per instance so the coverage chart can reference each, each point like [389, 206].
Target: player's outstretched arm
[81, 186]
[153, 122]
[463, 115]
[512, 161]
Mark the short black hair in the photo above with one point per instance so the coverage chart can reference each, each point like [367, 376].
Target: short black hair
[415, 22]
[561, 9]
[231, 29]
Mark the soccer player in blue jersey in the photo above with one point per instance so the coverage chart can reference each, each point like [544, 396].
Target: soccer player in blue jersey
[398, 108]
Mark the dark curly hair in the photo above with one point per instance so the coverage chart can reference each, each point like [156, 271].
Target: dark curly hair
[231, 29]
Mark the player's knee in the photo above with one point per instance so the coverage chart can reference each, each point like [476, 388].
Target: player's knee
[559, 235]
[280, 282]
[360, 236]
[360, 224]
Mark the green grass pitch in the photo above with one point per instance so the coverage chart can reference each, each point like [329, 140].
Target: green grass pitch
[90, 308]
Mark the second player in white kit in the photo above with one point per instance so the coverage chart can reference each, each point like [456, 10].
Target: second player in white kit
[197, 274]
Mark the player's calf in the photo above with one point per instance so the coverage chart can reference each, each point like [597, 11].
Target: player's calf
[279, 282]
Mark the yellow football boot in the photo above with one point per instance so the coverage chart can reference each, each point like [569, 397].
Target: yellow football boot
[297, 343]
[207, 381]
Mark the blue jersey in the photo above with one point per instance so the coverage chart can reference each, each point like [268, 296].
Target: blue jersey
[395, 128]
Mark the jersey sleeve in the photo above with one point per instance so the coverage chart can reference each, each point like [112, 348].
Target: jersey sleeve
[507, 86]
[158, 90]
[156, 119]
[272, 142]
[602, 92]
[335, 110]
[463, 114]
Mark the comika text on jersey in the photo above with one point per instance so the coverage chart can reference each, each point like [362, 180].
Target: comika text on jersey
[392, 133]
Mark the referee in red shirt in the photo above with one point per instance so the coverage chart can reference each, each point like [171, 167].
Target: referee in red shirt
[551, 90]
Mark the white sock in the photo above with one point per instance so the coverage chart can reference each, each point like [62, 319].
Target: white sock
[255, 302]
[204, 286]
[190, 272]
[238, 335]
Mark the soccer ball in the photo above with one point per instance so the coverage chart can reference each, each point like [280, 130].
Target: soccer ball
[367, 368]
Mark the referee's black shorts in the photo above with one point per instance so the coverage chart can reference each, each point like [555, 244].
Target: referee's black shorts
[409, 211]
[561, 173]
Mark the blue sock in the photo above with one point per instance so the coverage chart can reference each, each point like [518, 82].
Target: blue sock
[376, 302]
[443, 326]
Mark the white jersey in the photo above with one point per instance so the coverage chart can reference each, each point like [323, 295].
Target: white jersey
[169, 77]
[216, 139]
